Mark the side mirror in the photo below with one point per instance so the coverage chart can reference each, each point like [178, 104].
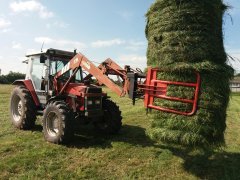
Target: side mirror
[43, 58]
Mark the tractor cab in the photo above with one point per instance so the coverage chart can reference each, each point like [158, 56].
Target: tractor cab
[42, 67]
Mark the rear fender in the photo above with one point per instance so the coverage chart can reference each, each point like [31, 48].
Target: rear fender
[28, 84]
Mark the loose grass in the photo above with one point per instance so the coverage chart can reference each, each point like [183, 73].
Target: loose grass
[128, 155]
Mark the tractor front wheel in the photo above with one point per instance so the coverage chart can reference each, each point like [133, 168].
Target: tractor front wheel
[57, 123]
[22, 108]
[111, 122]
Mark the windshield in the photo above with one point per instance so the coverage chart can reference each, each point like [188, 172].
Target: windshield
[57, 64]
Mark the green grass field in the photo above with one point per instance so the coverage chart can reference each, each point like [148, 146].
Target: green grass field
[128, 155]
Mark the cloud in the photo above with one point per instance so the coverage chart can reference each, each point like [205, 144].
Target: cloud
[136, 45]
[134, 60]
[4, 23]
[12, 64]
[130, 45]
[234, 61]
[33, 51]
[107, 43]
[6, 30]
[127, 15]
[16, 45]
[31, 6]
[234, 53]
[57, 24]
[60, 43]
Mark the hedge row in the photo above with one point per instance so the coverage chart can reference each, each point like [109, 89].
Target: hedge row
[11, 77]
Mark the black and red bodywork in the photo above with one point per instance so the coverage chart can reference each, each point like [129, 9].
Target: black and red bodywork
[81, 97]
[76, 95]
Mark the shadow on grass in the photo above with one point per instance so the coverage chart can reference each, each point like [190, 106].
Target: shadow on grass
[38, 128]
[200, 163]
[87, 137]
[208, 164]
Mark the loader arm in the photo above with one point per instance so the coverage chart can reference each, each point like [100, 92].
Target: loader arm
[80, 61]
[129, 79]
[110, 67]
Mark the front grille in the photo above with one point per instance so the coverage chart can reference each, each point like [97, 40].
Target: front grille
[93, 106]
[94, 90]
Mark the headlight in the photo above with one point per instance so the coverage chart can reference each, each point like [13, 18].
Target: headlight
[90, 102]
[98, 102]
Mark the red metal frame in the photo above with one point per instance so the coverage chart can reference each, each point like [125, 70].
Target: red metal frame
[110, 67]
[151, 89]
[155, 88]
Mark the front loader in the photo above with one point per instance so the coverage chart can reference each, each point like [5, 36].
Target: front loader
[58, 85]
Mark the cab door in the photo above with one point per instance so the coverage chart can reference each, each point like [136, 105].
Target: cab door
[37, 73]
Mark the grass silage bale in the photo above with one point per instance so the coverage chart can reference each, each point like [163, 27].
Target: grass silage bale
[185, 36]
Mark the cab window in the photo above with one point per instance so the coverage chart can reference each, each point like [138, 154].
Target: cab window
[58, 64]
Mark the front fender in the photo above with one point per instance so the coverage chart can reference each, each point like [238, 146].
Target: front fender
[29, 85]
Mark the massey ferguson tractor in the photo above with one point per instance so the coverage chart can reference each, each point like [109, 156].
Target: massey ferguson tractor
[59, 86]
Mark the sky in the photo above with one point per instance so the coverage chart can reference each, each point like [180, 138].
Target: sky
[97, 28]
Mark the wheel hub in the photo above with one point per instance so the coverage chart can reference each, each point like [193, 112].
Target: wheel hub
[17, 108]
[20, 108]
[52, 124]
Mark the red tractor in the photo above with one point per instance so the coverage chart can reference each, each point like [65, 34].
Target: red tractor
[58, 86]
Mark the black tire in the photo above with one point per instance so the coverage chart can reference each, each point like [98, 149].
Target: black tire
[111, 122]
[22, 108]
[57, 123]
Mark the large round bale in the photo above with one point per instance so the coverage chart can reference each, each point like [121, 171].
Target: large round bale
[185, 36]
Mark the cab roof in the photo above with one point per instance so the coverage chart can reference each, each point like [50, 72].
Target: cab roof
[54, 53]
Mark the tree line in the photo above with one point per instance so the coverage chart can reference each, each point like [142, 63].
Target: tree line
[11, 77]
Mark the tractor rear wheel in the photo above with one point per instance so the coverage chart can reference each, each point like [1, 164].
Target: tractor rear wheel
[57, 123]
[111, 122]
[22, 108]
